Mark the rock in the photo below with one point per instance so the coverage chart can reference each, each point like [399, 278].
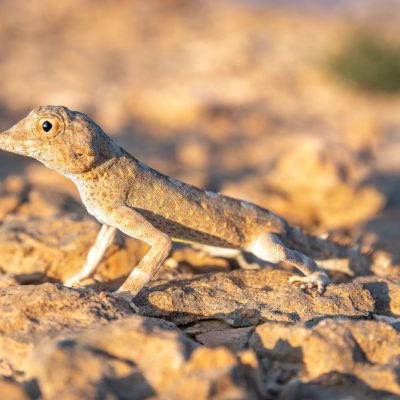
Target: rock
[385, 291]
[50, 247]
[29, 314]
[333, 386]
[366, 350]
[137, 358]
[204, 326]
[49, 235]
[325, 186]
[12, 193]
[246, 298]
[234, 339]
[10, 390]
[199, 262]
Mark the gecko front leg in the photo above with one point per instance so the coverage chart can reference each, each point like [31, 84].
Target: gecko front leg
[135, 225]
[104, 239]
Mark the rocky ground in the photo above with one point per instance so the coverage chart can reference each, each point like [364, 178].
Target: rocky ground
[235, 99]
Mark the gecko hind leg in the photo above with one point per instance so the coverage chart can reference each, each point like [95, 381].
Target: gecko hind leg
[270, 248]
[104, 238]
[233, 254]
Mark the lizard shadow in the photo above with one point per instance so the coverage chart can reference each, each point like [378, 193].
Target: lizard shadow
[383, 226]
[380, 292]
[331, 386]
[185, 304]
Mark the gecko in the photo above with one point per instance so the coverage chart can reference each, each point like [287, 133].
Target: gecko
[124, 194]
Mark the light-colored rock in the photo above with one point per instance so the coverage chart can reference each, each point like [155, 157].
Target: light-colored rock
[48, 236]
[136, 358]
[385, 291]
[324, 186]
[367, 350]
[12, 192]
[245, 298]
[29, 314]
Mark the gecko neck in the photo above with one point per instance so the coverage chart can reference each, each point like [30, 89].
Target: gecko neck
[97, 172]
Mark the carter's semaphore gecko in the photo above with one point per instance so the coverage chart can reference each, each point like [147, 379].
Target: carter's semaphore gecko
[123, 193]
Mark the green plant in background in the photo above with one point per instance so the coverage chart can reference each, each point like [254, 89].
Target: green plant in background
[369, 62]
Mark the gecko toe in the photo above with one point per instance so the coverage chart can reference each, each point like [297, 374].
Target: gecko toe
[71, 283]
[318, 280]
[128, 298]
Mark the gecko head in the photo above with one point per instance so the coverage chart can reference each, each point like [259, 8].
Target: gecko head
[64, 140]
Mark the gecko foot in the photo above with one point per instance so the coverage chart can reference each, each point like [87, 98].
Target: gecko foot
[71, 281]
[128, 298]
[318, 279]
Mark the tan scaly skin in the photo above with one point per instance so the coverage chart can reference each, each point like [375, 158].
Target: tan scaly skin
[123, 193]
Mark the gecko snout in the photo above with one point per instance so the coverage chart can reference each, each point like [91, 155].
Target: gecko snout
[15, 140]
[5, 141]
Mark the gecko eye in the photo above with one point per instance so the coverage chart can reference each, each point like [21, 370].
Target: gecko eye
[49, 126]
[46, 126]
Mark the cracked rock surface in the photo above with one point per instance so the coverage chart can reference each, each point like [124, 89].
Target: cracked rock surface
[245, 298]
[33, 313]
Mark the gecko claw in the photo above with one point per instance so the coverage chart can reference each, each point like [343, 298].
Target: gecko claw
[128, 298]
[75, 281]
[318, 279]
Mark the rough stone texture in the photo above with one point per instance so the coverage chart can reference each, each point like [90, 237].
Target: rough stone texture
[45, 235]
[137, 358]
[48, 236]
[234, 339]
[367, 350]
[29, 314]
[385, 291]
[245, 298]
[333, 386]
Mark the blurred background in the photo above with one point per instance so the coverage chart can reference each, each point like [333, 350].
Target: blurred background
[294, 105]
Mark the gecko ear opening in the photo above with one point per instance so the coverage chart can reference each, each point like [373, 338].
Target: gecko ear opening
[84, 151]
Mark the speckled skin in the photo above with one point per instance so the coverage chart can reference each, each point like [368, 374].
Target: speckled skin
[183, 212]
[121, 192]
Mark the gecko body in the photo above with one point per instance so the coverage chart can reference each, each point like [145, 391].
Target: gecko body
[123, 193]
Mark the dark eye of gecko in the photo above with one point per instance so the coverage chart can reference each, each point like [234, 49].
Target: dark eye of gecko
[47, 125]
